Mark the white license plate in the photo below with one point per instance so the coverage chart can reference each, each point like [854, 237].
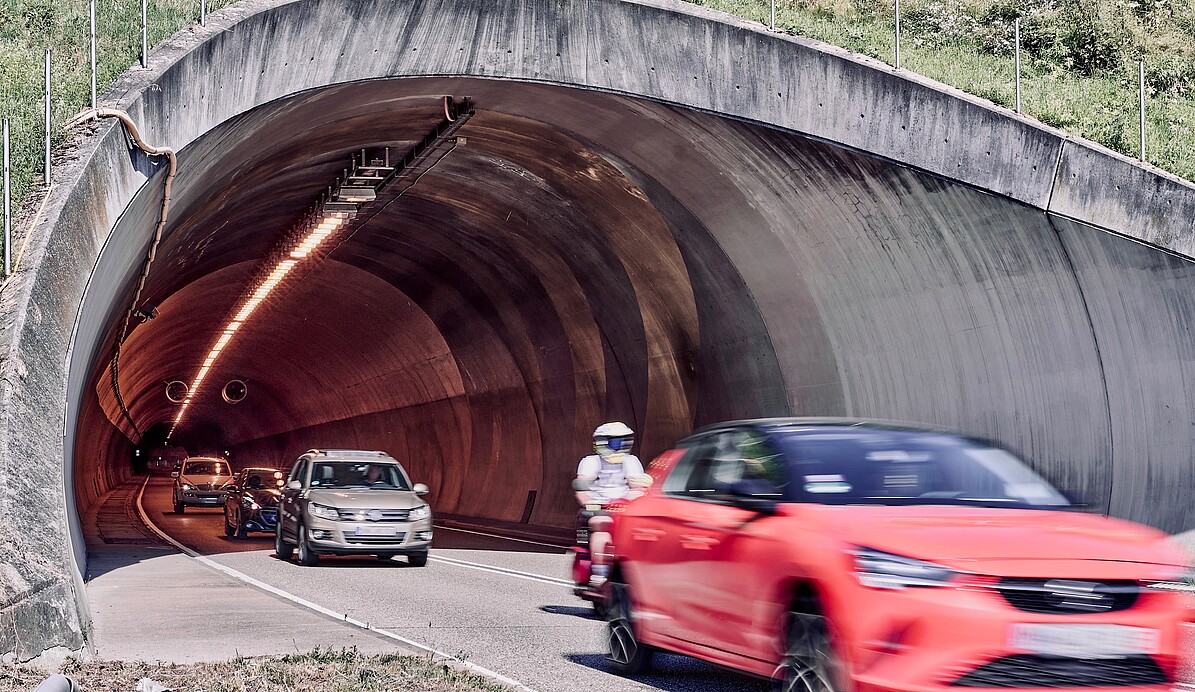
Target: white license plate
[1084, 641]
[374, 531]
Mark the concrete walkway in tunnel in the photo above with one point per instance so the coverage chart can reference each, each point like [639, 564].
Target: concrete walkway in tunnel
[149, 602]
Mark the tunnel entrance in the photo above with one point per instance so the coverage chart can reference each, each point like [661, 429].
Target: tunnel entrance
[529, 283]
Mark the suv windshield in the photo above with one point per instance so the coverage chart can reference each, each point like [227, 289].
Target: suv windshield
[205, 468]
[899, 467]
[354, 474]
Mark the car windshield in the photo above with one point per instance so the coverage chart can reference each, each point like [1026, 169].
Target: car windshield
[262, 478]
[205, 468]
[900, 467]
[353, 474]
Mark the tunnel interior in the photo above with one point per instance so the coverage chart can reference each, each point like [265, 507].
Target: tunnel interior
[574, 257]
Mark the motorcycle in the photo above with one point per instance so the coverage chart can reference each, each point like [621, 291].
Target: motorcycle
[596, 591]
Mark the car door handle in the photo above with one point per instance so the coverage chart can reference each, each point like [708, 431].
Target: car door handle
[646, 534]
[698, 542]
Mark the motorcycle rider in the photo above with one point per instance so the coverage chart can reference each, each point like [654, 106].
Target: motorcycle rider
[612, 473]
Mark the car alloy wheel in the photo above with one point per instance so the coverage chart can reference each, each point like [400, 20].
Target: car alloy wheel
[627, 655]
[810, 662]
[281, 548]
[229, 529]
[307, 556]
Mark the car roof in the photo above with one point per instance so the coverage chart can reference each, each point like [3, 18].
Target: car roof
[792, 422]
[203, 458]
[350, 454]
[259, 468]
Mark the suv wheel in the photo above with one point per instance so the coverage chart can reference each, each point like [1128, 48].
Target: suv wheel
[628, 655]
[307, 556]
[417, 560]
[810, 660]
[281, 548]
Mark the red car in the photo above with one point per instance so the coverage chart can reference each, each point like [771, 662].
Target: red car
[860, 556]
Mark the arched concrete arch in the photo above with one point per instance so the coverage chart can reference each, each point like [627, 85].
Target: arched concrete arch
[783, 228]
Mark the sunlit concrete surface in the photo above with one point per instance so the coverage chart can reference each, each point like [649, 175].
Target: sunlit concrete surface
[657, 214]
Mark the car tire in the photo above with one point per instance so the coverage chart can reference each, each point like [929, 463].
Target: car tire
[179, 507]
[242, 531]
[281, 548]
[627, 655]
[384, 556]
[307, 556]
[417, 559]
[810, 661]
[229, 529]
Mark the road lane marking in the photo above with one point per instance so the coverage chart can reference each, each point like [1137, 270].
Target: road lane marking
[503, 571]
[341, 617]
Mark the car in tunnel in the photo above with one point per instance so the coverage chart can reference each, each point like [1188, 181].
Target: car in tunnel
[200, 482]
[835, 555]
[251, 503]
[352, 502]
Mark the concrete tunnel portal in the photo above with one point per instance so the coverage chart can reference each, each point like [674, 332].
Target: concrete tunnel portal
[658, 225]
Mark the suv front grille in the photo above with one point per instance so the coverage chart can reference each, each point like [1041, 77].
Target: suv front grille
[1068, 596]
[1032, 670]
[397, 538]
[383, 515]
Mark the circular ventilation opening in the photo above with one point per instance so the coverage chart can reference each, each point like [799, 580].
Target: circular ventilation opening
[234, 391]
[176, 391]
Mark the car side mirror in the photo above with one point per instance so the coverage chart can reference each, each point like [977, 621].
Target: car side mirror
[753, 495]
[294, 485]
[174, 474]
[421, 489]
[582, 484]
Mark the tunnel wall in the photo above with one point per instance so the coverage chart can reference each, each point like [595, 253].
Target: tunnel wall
[663, 51]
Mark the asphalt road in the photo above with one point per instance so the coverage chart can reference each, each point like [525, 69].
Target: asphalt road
[500, 603]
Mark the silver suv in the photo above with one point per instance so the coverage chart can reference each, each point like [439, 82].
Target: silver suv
[200, 482]
[352, 502]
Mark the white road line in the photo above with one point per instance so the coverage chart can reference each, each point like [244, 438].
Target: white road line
[505, 538]
[342, 617]
[554, 581]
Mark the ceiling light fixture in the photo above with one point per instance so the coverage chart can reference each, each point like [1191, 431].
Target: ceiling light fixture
[358, 185]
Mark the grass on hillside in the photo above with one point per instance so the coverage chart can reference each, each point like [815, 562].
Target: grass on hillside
[1079, 66]
[318, 671]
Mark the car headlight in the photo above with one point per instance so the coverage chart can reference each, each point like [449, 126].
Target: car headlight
[324, 512]
[187, 486]
[881, 570]
[1182, 580]
[420, 512]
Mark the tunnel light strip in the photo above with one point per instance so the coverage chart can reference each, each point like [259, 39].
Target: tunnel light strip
[320, 231]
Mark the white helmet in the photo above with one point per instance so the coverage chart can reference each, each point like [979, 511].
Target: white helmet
[610, 438]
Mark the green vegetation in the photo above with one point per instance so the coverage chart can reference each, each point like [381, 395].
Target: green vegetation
[320, 670]
[1078, 58]
[29, 27]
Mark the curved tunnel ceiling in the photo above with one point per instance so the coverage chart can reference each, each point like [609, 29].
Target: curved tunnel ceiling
[582, 256]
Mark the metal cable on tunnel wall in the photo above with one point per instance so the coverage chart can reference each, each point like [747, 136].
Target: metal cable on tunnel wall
[135, 135]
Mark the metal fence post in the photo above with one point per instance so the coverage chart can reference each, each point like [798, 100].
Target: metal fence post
[203, 12]
[7, 208]
[144, 33]
[898, 34]
[94, 102]
[773, 24]
[1016, 30]
[49, 110]
[1141, 92]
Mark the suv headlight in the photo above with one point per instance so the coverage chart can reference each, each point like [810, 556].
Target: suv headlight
[420, 512]
[881, 570]
[324, 512]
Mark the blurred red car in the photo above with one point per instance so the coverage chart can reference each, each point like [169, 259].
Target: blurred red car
[859, 556]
